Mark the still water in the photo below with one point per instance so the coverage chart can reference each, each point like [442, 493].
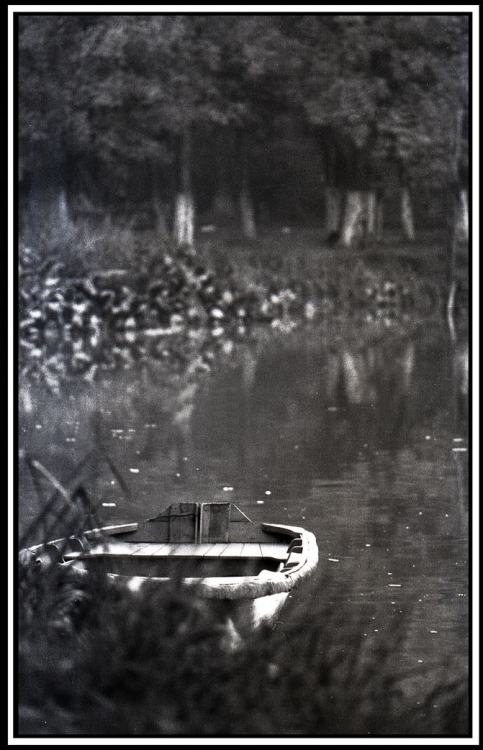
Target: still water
[362, 440]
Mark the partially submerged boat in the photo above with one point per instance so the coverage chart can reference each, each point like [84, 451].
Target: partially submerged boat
[246, 570]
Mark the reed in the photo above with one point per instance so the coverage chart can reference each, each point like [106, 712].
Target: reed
[95, 660]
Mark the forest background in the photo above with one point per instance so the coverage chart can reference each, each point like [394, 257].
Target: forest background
[174, 122]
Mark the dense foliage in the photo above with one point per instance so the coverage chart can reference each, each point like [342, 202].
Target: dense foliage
[116, 94]
[180, 309]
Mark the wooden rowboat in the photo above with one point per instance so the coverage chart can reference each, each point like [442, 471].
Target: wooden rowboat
[246, 570]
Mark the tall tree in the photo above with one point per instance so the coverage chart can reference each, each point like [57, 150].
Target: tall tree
[392, 83]
[132, 92]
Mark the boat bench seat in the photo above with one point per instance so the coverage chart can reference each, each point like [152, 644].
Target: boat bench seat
[294, 560]
[220, 549]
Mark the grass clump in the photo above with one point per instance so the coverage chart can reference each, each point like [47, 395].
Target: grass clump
[98, 660]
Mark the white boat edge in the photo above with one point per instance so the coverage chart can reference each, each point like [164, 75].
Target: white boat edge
[300, 563]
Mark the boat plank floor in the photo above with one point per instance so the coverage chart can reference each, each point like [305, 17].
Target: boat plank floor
[142, 549]
[210, 549]
[251, 549]
[117, 549]
[217, 549]
[220, 549]
[190, 550]
[233, 550]
[160, 550]
[274, 551]
[163, 550]
[185, 550]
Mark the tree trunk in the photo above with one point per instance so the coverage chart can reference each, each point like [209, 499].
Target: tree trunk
[184, 209]
[224, 206]
[379, 218]
[224, 209]
[333, 374]
[352, 218]
[371, 228]
[407, 215]
[461, 228]
[249, 228]
[463, 220]
[184, 219]
[333, 210]
[49, 216]
[63, 211]
[161, 223]
[158, 203]
[247, 212]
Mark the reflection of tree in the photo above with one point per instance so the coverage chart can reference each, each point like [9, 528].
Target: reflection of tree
[460, 358]
[403, 475]
[305, 410]
[369, 370]
[136, 419]
[373, 390]
[460, 371]
[271, 419]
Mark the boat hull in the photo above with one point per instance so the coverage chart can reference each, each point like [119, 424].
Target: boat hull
[245, 583]
[238, 616]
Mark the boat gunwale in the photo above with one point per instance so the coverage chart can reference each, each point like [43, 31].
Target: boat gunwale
[264, 584]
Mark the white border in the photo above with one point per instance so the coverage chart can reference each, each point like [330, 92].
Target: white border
[474, 9]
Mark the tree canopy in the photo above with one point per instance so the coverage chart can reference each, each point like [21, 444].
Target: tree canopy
[119, 87]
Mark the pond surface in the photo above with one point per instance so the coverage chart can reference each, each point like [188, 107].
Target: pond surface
[357, 434]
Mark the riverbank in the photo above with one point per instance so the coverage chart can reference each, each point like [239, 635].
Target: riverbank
[127, 297]
[293, 251]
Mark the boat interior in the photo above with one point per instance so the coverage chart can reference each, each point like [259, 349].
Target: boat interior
[195, 540]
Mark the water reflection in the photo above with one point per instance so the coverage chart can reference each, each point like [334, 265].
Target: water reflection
[307, 409]
[363, 440]
[278, 416]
